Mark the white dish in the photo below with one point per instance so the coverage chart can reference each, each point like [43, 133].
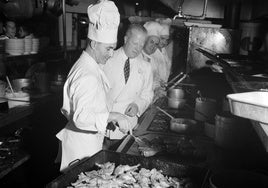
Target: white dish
[250, 105]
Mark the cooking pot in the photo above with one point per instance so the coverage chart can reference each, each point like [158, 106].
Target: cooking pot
[176, 93]
[21, 83]
[238, 178]
[182, 125]
[176, 103]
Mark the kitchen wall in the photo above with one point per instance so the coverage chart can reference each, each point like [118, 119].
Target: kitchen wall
[215, 9]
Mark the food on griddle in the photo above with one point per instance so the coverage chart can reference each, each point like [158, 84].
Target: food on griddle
[125, 176]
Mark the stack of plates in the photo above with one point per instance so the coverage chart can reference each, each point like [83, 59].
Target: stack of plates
[35, 45]
[14, 46]
[27, 45]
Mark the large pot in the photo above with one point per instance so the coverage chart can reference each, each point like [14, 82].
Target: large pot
[237, 179]
[176, 103]
[21, 84]
[176, 93]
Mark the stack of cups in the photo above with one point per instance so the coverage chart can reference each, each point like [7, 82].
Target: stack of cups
[35, 45]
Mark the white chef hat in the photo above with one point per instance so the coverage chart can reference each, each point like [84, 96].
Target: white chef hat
[165, 24]
[104, 20]
[153, 28]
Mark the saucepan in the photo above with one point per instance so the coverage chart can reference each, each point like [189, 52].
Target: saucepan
[180, 125]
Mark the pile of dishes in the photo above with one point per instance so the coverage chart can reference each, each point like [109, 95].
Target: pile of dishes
[14, 46]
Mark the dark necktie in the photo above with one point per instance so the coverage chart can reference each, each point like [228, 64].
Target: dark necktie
[126, 70]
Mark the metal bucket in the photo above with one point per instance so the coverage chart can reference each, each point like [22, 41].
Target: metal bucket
[230, 131]
[205, 109]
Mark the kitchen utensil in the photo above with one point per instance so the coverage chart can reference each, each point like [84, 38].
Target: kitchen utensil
[250, 105]
[173, 79]
[169, 115]
[10, 86]
[176, 93]
[179, 81]
[176, 103]
[181, 125]
[197, 174]
[205, 109]
[21, 83]
[137, 139]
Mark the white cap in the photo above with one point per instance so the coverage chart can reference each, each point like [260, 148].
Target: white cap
[165, 29]
[104, 20]
[153, 28]
[165, 23]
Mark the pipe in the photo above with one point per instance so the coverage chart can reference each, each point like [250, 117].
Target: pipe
[64, 27]
[187, 16]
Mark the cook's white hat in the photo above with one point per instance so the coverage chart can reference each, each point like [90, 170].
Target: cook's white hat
[153, 28]
[104, 20]
[165, 23]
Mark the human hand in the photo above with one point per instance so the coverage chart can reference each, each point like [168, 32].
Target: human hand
[121, 120]
[132, 110]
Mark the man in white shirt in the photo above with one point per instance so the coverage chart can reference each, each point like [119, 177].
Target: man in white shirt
[84, 98]
[130, 78]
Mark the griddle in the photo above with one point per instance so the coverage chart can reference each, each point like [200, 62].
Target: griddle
[197, 174]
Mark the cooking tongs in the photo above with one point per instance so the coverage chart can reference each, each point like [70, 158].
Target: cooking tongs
[171, 84]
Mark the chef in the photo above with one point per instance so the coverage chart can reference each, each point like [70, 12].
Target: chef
[84, 98]
[130, 77]
[162, 56]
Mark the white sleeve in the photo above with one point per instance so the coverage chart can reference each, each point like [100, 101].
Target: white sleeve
[83, 94]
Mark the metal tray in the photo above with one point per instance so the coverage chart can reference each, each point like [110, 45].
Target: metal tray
[197, 174]
[250, 105]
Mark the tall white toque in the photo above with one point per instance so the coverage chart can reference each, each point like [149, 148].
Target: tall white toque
[104, 20]
[153, 28]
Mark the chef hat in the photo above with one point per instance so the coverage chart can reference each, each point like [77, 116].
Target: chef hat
[104, 20]
[153, 28]
[165, 29]
[165, 24]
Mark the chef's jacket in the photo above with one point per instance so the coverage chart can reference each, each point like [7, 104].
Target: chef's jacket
[138, 88]
[162, 64]
[85, 107]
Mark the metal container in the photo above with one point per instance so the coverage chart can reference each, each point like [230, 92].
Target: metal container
[176, 93]
[181, 125]
[176, 103]
[196, 174]
[21, 83]
[250, 105]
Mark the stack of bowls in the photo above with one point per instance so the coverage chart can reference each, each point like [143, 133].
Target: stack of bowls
[14, 46]
[27, 45]
[176, 98]
[35, 45]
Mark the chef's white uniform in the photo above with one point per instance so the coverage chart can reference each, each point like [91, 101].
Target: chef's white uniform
[84, 105]
[138, 88]
[162, 62]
